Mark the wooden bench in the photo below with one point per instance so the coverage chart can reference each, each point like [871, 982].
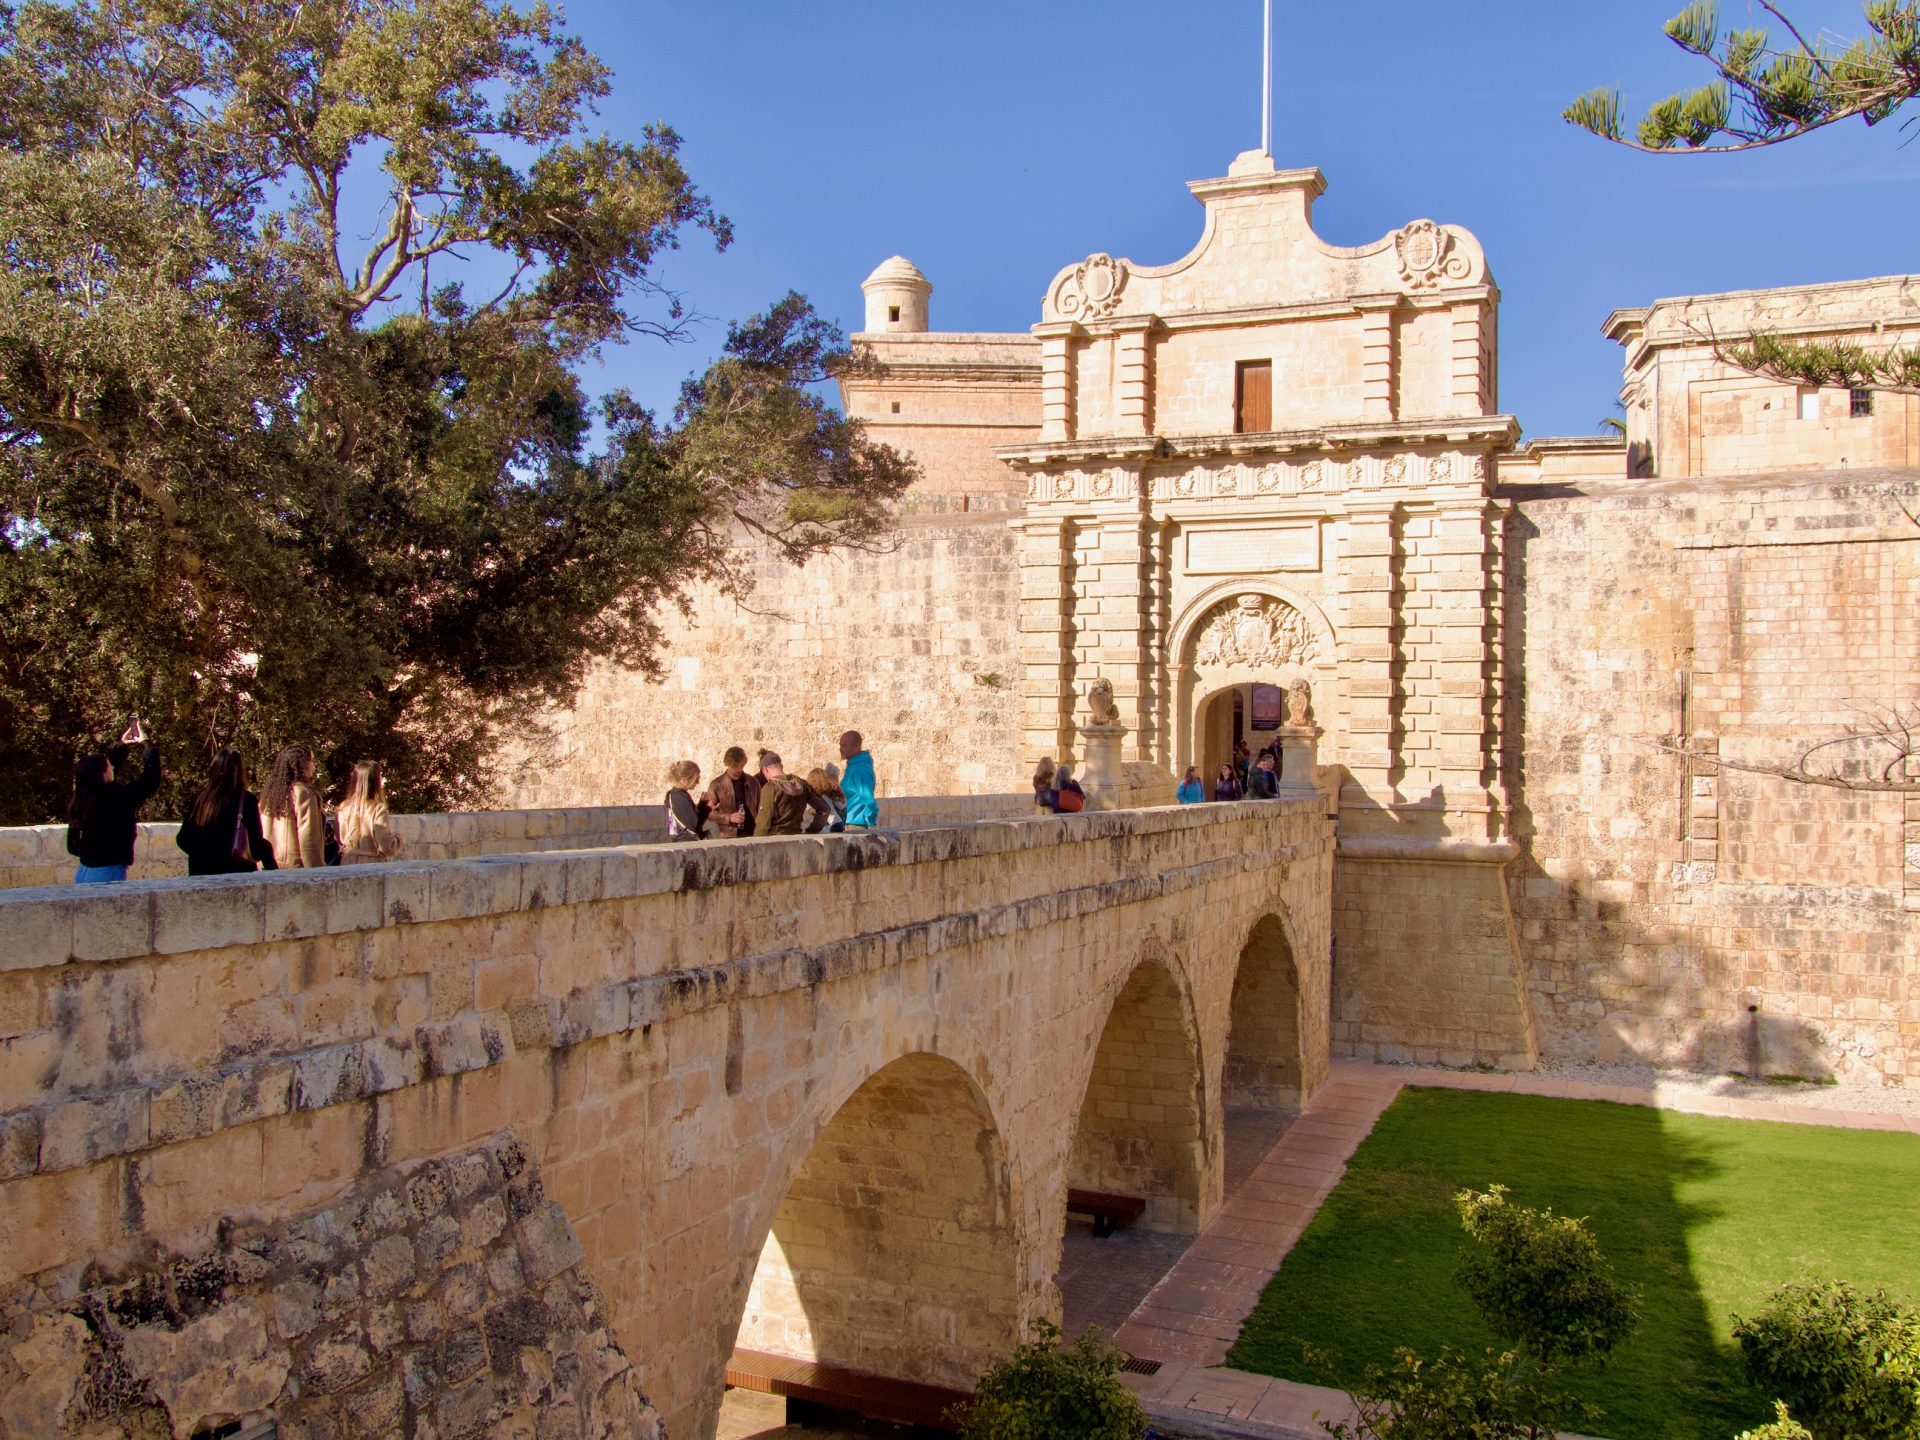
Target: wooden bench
[809, 1386]
[1107, 1210]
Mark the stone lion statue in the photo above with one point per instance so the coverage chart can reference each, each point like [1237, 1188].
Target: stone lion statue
[1100, 700]
[1299, 703]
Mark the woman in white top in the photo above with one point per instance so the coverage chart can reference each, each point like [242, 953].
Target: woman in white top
[366, 834]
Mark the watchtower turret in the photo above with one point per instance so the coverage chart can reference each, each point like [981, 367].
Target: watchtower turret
[897, 298]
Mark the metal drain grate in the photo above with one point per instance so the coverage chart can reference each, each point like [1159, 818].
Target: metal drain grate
[1136, 1366]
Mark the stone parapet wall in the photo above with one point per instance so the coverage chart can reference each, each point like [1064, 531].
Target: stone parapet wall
[664, 1028]
[37, 854]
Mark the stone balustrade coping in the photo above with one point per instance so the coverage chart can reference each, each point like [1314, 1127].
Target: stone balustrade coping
[58, 925]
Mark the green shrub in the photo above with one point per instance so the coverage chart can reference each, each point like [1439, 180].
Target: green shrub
[1540, 1281]
[1498, 1397]
[1782, 1427]
[1049, 1391]
[1847, 1364]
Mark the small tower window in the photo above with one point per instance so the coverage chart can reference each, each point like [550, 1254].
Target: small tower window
[893, 314]
[1809, 404]
[896, 407]
[1253, 397]
[1860, 404]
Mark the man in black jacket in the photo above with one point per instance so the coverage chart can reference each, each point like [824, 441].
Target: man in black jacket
[1262, 783]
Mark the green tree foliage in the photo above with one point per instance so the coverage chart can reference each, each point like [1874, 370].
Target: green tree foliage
[1782, 1427]
[1049, 1391]
[1542, 1285]
[1766, 92]
[1540, 1281]
[1846, 1364]
[1454, 1397]
[294, 444]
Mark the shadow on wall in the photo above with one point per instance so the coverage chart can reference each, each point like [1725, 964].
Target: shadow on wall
[1141, 1130]
[1263, 1045]
[1649, 955]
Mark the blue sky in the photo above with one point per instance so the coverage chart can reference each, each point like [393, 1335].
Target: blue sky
[992, 143]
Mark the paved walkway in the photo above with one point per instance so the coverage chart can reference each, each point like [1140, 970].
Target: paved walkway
[1191, 1318]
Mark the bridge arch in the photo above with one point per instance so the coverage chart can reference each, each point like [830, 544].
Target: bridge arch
[1276, 1036]
[1143, 1122]
[894, 1248]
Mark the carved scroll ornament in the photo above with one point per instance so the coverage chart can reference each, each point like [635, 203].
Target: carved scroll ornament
[1428, 256]
[1091, 289]
[1256, 630]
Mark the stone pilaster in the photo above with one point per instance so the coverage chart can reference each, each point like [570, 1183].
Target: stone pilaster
[1472, 360]
[1133, 374]
[1056, 379]
[1379, 377]
[1046, 637]
[1368, 653]
[1116, 622]
[1462, 624]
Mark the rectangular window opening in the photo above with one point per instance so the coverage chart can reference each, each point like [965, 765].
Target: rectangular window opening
[896, 407]
[893, 314]
[1860, 403]
[1253, 397]
[1809, 404]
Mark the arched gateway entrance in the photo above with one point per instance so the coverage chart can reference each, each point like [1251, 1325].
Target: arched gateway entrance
[1239, 646]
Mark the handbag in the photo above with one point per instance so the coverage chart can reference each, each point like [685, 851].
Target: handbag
[241, 846]
[1072, 801]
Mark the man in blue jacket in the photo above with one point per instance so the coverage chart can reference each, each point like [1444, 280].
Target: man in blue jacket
[863, 809]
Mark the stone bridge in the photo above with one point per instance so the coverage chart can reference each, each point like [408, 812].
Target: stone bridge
[526, 1144]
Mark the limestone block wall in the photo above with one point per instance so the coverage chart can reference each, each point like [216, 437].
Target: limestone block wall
[1427, 969]
[668, 1031]
[1669, 909]
[37, 854]
[442, 1297]
[916, 648]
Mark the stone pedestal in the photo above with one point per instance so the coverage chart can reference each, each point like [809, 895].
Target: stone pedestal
[1102, 775]
[1299, 753]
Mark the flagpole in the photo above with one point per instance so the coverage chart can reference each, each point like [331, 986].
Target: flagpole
[1266, 111]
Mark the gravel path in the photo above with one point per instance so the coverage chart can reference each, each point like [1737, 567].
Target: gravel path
[1871, 1098]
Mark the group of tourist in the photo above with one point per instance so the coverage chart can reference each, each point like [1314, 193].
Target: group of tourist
[227, 829]
[766, 800]
[1055, 791]
[1245, 777]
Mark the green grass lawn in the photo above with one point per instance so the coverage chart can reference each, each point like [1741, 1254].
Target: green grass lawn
[1705, 1216]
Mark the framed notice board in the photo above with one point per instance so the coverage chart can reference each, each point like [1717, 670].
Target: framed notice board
[1268, 705]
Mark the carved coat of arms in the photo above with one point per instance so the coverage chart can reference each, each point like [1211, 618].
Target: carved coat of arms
[1427, 257]
[1256, 630]
[1092, 288]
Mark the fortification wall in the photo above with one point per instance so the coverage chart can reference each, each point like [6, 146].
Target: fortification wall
[1668, 909]
[916, 647]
